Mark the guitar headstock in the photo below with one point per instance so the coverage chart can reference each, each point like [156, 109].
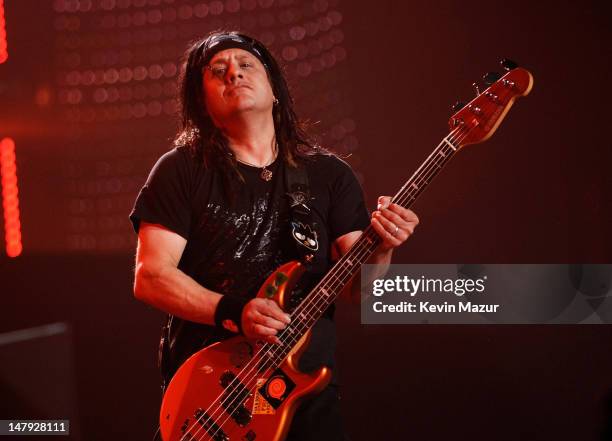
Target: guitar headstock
[478, 120]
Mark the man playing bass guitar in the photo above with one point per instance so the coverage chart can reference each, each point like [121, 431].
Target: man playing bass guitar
[244, 190]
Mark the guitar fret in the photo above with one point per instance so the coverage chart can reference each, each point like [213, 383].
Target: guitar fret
[447, 142]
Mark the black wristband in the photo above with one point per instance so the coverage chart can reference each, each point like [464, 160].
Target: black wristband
[228, 314]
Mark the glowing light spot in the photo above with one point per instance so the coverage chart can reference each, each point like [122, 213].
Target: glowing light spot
[290, 53]
[10, 198]
[297, 33]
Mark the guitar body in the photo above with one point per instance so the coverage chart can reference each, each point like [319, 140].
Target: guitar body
[206, 401]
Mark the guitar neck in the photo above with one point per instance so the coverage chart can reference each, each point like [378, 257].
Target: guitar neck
[330, 287]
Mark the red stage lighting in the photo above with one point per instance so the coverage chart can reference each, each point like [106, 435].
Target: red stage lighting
[10, 198]
[3, 44]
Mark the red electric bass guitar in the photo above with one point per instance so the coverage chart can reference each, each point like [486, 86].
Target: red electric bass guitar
[245, 390]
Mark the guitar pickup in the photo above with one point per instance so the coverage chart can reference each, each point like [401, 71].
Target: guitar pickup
[234, 397]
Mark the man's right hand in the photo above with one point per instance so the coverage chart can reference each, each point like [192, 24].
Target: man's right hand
[262, 319]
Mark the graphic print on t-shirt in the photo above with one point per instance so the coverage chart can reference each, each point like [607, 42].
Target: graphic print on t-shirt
[243, 248]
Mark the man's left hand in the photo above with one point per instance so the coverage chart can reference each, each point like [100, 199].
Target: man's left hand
[393, 223]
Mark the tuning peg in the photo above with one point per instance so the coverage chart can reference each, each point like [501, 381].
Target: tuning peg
[458, 106]
[491, 77]
[508, 64]
[476, 88]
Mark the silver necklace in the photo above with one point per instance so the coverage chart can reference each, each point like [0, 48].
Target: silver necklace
[265, 174]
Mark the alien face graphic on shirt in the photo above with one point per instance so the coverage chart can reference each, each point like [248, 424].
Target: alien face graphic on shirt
[305, 235]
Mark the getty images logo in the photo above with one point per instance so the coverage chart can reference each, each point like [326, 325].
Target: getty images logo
[414, 286]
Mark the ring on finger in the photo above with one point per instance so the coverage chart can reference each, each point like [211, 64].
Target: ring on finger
[395, 231]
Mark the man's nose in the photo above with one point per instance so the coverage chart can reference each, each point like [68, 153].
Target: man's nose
[233, 73]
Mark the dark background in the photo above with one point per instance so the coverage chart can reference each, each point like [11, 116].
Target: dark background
[538, 191]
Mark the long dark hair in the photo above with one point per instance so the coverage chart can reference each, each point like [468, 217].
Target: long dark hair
[197, 130]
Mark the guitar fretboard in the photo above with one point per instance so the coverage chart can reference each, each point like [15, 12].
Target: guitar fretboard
[329, 288]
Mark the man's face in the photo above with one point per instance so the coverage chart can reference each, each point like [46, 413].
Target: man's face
[236, 81]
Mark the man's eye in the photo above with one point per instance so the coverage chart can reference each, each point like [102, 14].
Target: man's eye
[246, 65]
[218, 71]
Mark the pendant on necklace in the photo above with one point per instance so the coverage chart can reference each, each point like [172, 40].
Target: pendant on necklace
[266, 174]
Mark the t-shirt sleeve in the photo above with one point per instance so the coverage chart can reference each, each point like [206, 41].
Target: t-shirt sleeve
[347, 209]
[165, 197]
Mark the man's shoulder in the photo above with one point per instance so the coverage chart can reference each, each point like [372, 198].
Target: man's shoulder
[179, 153]
[179, 158]
[326, 163]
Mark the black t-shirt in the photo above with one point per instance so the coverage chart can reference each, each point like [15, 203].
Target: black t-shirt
[234, 243]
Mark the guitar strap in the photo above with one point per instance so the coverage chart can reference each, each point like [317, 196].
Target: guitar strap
[303, 231]
[302, 224]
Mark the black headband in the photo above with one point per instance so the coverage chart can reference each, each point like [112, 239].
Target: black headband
[221, 42]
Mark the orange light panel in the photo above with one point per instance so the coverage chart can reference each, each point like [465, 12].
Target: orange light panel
[3, 43]
[10, 197]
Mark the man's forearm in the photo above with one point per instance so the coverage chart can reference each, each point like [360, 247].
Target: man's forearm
[171, 290]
